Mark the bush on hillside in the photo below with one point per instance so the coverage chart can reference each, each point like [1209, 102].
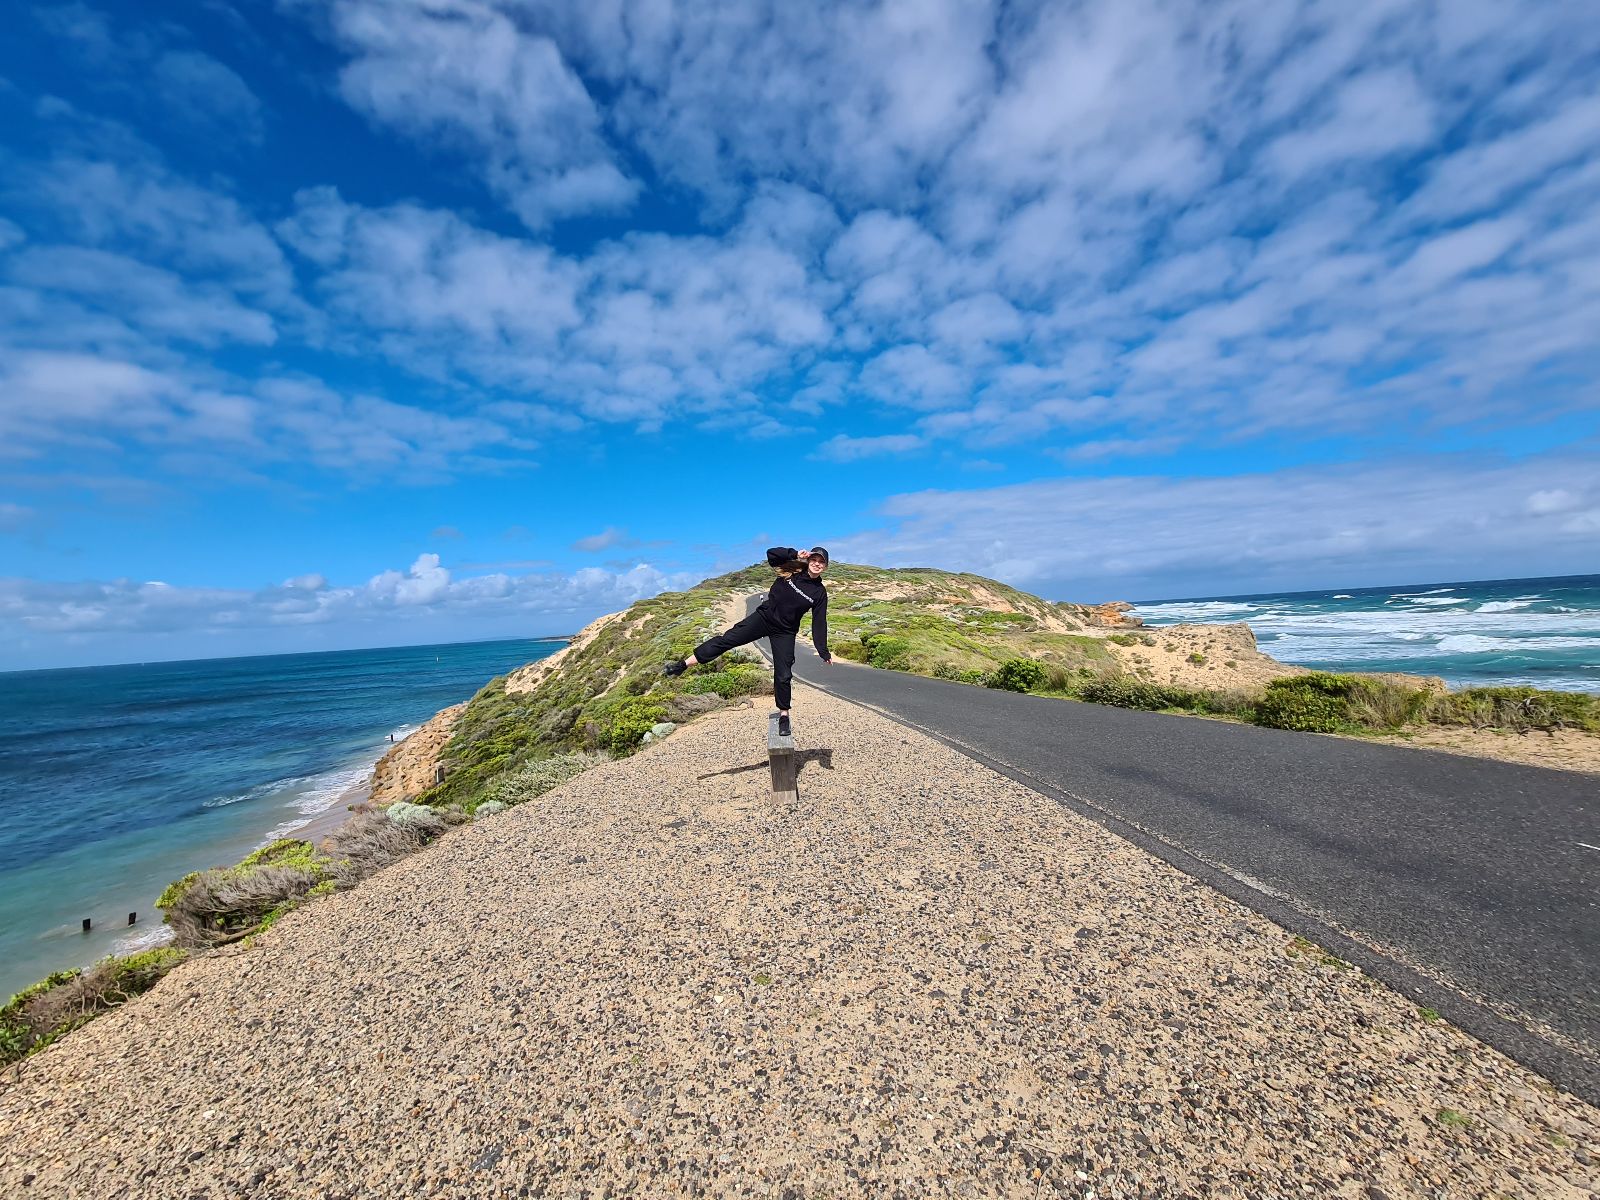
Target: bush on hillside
[887, 652]
[686, 706]
[1318, 702]
[958, 674]
[1129, 691]
[854, 651]
[207, 908]
[736, 679]
[1380, 703]
[630, 721]
[1017, 675]
[372, 840]
[59, 1003]
[540, 776]
[1519, 708]
[1059, 678]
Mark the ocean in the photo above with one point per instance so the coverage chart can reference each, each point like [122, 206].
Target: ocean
[1541, 632]
[118, 780]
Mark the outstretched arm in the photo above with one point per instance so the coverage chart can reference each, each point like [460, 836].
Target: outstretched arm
[819, 628]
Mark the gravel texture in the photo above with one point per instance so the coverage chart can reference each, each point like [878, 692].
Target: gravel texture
[919, 979]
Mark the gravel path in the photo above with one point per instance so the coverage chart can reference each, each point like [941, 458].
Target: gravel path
[921, 979]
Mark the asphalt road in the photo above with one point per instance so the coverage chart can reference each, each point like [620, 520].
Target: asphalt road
[1463, 882]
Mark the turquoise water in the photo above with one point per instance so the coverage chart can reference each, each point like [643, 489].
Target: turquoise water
[118, 780]
[1543, 632]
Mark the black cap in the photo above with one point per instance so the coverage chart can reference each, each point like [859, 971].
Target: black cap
[820, 552]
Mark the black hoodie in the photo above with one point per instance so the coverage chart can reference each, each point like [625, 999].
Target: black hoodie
[791, 597]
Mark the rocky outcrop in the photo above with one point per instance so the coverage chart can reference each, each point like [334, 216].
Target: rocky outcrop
[408, 770]
[1113, 615]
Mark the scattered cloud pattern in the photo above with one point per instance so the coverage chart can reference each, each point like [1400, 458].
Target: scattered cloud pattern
[1200, 246]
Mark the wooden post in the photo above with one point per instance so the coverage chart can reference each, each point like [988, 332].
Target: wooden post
[86, 924]
[132, 918]
[780, 752]
[438, 773]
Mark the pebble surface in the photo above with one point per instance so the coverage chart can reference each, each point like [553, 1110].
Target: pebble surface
[921, 979]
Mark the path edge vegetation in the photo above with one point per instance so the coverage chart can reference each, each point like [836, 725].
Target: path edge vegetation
[607, 699]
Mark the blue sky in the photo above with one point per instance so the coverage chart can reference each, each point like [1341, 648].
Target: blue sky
[351, 322]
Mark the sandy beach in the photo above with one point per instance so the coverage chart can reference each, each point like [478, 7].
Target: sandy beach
[919, 980]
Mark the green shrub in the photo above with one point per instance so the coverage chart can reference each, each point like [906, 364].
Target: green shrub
[630, 721]
[887, 652]
[1017, 675]
[1198, 659]
[1234, 702]
[539, 776]
[738, 679]
[1128, 691]
[1123, 639]
[1058, 678]
[1518, 708]
[1380, 703]
[1315, 703]
[220, 905]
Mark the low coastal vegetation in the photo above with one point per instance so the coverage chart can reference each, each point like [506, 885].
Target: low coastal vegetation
[1315, 702]
[604, 697]
[36, 1016]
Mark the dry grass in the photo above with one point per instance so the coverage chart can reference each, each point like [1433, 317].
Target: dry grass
[218, 906]
[370, 841]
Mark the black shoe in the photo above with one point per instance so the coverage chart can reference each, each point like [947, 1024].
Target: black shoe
[675, 668]
[783, 726]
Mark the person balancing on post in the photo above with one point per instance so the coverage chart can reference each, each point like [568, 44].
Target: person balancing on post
[797, 589]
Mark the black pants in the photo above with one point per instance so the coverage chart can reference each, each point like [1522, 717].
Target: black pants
[754, 628]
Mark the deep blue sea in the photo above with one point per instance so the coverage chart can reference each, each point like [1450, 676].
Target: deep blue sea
[1543, 632]
[118, 780]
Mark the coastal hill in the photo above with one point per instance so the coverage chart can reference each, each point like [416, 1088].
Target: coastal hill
[575, 945]
[603, 697]
[919, 978]
[604, 691]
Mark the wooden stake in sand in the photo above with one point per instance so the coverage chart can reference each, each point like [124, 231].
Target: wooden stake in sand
[780, 752]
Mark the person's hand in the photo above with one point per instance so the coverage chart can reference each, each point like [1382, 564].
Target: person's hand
[829, 660]
[802, 555]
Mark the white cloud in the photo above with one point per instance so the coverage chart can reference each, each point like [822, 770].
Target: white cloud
[1380, 112]
[1047, 224]
[92, 617]
[1546, 501]
[86, 401]
[857, 101]
[604, 540]
[14, 517]
[156, 301]
[467, 76]
[207, 94]
[137, 207]
[1148, 536]
[844, 448]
